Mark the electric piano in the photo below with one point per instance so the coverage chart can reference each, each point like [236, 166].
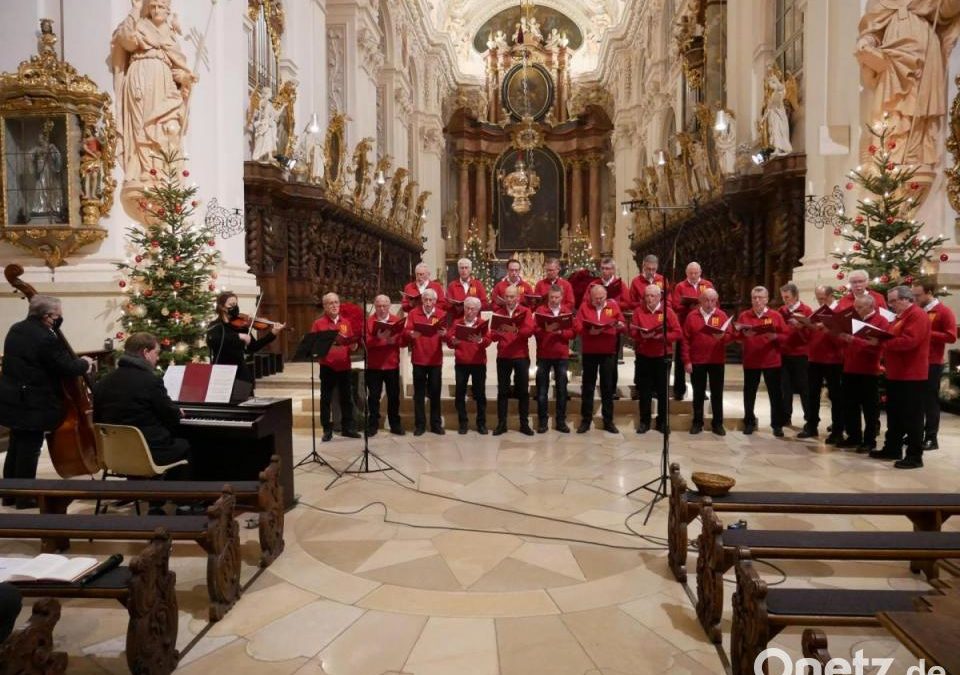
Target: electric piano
[236, 441]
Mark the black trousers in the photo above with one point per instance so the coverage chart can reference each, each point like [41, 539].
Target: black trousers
[23, 454]
[179, 449]
[331, 379]
[679, 374]
[793, 380]
[698, 378]
[376, 379]
[426, 383]
[477, 376]
[559, 369]
[650, 375]
[861, 396]
[519, 371]
[10, 605]
[905, 399]
[817, 375]
[604, 365]
[931, 408]
[751, 383]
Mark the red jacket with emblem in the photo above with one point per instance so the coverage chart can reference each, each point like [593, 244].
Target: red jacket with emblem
[382, 354]
[846, 302]
[685, 290]
[338, 358]
[467, 353]
[552, 344]
[943, 331]
[633, 297]
[761, 351]
[425, 351]
[606, 341]
[907, 355]
[701, 347]
[496, 297]
[514, 345]
[413, 289]
[619, 292]
[455, 291]
[796, 341]
[652, 347]
[543, 287]
[860, 357]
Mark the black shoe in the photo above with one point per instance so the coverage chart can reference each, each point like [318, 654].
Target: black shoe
[25, 503]
[372, 431]
[419, 431]
[526, 430]
[658, 425]
[778, 432]
[482, 428]
[500, 430]
[462, 430]
[677, 397]
[909, 463]
[833, 439]
[808, 433]
[749, 427]
[886, 455]
[848, 443]
[350, 433]
[397, 431]
[562, 427]
[610, 427]
[542, 427]
[438, 430]
[584, 427]
[327, 435]
[866, 449]
[643, 427]
[930, 444]
[718, 429]
[696, 428]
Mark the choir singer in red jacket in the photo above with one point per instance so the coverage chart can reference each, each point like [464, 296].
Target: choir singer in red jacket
[943, 332]
[706, 333]
[424, 334]
[383, 365]
[553, 354]
[761, 331]
[598, 323]
[653, 353]
[469, 338]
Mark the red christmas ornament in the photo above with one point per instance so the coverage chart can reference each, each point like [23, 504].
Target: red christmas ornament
[835, 266]
[908, 280]
[160, 212]
[884, 279]
[857, 247]
[147, 293]
[889, 220]
[165, 342]
[836, 232]
[872, 149]
[858, 220]
[840, 275]
[849, 186]
[891, 145]
[944, 257]
[211, 242]
[194, 203]
[914, 186]
[139, 258]
[177, 284]
[142, 204]
[155, 244]
[119, 335]
[186, 174]
[178, 209]
[123, 284]
[176, 258]
[890, 166]
[153, 172]
[211, 287]
[176, 315]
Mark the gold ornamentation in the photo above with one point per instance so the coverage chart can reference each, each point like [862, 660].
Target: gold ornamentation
[953, 145]
[527, 135]
[380, 174]
[335, 154]
[361, 172]
[273, 16]
[285, 101]
[77, 119]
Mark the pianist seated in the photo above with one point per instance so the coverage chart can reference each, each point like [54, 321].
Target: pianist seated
[134, 395]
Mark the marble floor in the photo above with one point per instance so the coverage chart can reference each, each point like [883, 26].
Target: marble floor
[509, 555]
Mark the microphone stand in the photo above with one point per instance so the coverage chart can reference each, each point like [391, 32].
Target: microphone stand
[658, 486]
[364, 457]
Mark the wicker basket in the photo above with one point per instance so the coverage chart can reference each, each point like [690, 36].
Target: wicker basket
[712, 484]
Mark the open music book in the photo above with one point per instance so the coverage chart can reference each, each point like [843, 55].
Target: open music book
[45, 567]
[866, 331]
[717, 330]
[563, 320]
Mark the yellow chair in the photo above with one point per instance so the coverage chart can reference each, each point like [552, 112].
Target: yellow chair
[123, 451]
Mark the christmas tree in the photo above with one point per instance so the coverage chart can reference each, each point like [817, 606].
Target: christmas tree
[474, 249]
[170, 280]
[580, 256]
[883, 238]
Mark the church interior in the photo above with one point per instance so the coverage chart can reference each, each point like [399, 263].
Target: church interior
[166, 162]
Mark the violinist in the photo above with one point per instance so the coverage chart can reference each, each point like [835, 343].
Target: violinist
[35, 360]
[229, 339]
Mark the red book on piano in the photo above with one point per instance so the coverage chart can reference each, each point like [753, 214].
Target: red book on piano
[196, 377]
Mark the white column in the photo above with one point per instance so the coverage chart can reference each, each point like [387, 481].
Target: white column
[358, 24]
[430, 160]
[626, 164]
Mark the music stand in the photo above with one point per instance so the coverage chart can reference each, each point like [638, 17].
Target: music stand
[312, 347]
[364, 457]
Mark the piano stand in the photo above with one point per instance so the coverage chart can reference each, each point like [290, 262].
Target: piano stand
[315, 457]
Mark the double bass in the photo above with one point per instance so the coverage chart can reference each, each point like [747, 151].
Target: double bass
[72, 445]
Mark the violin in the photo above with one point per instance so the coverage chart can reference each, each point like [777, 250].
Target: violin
[246, 322]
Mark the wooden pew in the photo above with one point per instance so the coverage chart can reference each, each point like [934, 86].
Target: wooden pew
[760, 613]
[147, 588]
[927, 511]
[29, 651]
[217, 533]
[264, 496]
[718, 553]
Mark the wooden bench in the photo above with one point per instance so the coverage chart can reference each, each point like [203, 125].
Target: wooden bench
[147, 588]
[927, 511]
[217, 533]
[264, 496]
[717, 553]
[760, 613]
[30, 649]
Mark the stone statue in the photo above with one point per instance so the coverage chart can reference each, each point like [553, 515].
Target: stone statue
[91, 167]
[725, 141]
[46, 164]
[265, 128]
[565, 240]
[152, 82]
[774, 121]
[491, 241]
[903, 50]
[311, 153]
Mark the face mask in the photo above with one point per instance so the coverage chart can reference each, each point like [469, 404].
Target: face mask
[233, 312]
[57, 323]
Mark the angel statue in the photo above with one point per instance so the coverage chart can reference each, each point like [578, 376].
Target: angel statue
[725, 141]
[491, 241]
[774, 123]
[311, 152]
[266, 118]
[91, 166]
[565, 241]
[361, 171]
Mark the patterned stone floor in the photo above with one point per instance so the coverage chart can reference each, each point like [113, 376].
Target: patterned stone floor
[379, 577]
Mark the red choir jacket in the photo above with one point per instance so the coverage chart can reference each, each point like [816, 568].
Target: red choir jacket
[760, 351]
[467, 353]
[382, 354]
[605, 342]
[943, 330]
[455, 292]
[823, 347]
[413, 289]
[496, 298]
[701, 347]
[555, 344]
[907, 355]
[617, 295]
[425, 351]
[633, 297]
[514, 345]
[860, 357]
[796, 341]
[338, 358]
[543, 287]
[644, 318]
[685, 290]
[846, 302]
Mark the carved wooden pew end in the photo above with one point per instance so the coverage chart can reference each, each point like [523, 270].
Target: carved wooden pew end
[29, 651]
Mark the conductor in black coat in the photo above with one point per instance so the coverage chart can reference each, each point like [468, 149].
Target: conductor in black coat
[35, 361]
[229, 345]
[134, 395]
